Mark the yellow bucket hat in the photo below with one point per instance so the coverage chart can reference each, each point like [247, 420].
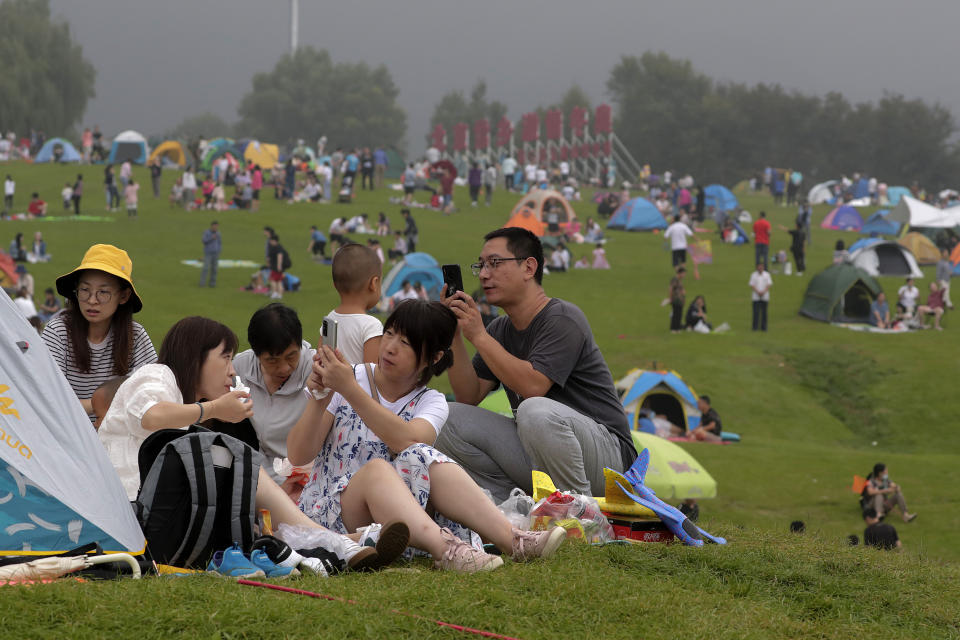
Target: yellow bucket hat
[106, 258]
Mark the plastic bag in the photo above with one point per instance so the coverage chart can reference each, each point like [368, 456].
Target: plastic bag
[517, 509]
[701, 327]
[580, 515]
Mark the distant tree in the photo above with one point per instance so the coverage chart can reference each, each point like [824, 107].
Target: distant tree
[206, 125]
[307, 95]
[45, 82]
[454, 107]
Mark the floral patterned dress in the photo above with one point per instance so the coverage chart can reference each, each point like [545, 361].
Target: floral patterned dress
[351, 444]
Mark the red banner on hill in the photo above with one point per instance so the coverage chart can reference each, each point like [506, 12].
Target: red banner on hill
[530, 127]
[438, 137]
[603, 119]
[460, 131]
[481, 134]
[504, 132]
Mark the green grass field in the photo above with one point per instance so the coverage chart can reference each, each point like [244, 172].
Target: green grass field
[815, 404]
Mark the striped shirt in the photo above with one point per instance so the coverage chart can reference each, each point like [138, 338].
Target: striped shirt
[101, 356]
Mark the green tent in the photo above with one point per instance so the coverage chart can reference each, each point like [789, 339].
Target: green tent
[840, 293]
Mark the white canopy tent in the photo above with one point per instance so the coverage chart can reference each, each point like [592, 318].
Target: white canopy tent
[913, 212]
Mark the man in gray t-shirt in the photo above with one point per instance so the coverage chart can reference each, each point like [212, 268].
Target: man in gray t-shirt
[568, 421]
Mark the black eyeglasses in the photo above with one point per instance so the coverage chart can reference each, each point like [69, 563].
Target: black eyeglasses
[491, 264]
[103, 296]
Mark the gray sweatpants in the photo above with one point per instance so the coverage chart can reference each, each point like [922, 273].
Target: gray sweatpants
[499, 453]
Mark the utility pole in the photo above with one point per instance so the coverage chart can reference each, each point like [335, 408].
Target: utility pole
[294, 24]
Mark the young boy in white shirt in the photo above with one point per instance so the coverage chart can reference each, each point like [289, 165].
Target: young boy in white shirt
[66, 194]
[356, 277]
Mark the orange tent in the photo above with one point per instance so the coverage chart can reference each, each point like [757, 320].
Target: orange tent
[8, 271]
[955, 255]
[540, 201]
[527, 219]
[922, 247]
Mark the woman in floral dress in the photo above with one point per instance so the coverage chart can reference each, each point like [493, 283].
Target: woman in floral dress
[374, 459]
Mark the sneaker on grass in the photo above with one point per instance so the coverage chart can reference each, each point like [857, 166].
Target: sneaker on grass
[528, 545]
[231, 562]
[461, 557]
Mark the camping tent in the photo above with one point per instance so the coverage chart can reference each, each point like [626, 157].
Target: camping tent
[673, 474]
[664, 392]
[129, 145]
[527, 219]
[540, 201]
[717, 196]
[57, 486]
[921, 247]
[262, 153]
[879, 224]
[47, 153]
[415, 267]
[171, 152]
[916, 213]
[840, 293]
[821, 193]
[884, 258]
[894, 194]
[843, 218]
[8, 271]
[638, 214]
[217, 148]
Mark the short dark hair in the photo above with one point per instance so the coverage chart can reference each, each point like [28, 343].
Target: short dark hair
[522, 243]
[185, 348]
[429, 327]
[273, 329]
[353, 266]
[878, 469]
[869, 512]
[797, 526]
[705, 398]
[763, 214]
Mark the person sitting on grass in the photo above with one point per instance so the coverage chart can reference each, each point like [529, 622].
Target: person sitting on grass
[697, 312]
[37, 207]
[934, 307]
[189, 385]
[372, 442]
[880, 312]
[710, 427]
[882, 495]
[880, 535]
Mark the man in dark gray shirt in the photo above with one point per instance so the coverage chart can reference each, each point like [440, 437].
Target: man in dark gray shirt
[568, 421]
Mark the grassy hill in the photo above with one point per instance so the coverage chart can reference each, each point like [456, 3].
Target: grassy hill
[814, 404]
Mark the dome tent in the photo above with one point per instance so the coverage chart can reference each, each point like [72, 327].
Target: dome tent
[879, 224]
[48, 152]
[129, 145]
[541, 201]
[665, 392]
[921, 247]
[883, 258]
[717, 196]
[415, 267]
[843, 218]
[840, 293]
[170, 151]
[638, 214]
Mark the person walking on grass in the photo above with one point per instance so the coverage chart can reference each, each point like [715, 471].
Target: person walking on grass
[677, 234]
[760, 283]
[761, 239]
[212, 245]
[676, 296]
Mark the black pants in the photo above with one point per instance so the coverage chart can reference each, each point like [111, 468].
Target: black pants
[366, 178]
[76, 205]
[474, 193]
[679, 256]
[508, 181]
[798, 257]
[155, 181]
[676, 316]
[760, 315]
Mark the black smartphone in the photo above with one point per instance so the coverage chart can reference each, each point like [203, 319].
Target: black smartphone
[328, 333]
[453, 278]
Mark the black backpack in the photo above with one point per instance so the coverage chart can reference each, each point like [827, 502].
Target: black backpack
[197, 495]
[286, 262]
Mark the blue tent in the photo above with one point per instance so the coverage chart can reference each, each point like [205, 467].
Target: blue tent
[638, 214]
[843, 218]
[719, 197]
[861, 189]
[664, 392]
[877, 224]
[895, 193]
[46, 154]
[863, 242]
[415, 267]
[742, 237]
[129, 145]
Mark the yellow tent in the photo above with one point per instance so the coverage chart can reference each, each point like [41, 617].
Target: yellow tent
[262, 153]
[921, 247]
[541, 201]
[172, 151]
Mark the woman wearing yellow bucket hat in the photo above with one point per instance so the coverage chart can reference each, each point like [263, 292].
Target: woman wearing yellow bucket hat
[95, 338]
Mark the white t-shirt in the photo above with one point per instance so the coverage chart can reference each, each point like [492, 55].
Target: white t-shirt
[402, 295]
[760, 281]
[677, 233]
[432, 405]
[189, 180]
[66, 193]
[26, 306]
[908, 296]
[530, 172]
[9, 187]
[353, 331]
[121, 433]
[541, 175]
[567, 191]
[509, 166]
[564, 168]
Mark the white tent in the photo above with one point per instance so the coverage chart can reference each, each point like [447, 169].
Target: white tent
[915, 213]
[886, 259]
[821, 193]
[129, 145]
[58, 490]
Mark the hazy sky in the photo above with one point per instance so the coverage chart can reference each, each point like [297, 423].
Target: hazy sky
[161, 61]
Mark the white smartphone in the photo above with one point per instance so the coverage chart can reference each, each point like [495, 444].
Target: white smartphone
[328, 333]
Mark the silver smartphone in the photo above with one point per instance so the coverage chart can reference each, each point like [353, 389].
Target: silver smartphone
[328, 333]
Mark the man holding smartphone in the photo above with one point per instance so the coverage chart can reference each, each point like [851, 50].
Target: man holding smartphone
[568, 421]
